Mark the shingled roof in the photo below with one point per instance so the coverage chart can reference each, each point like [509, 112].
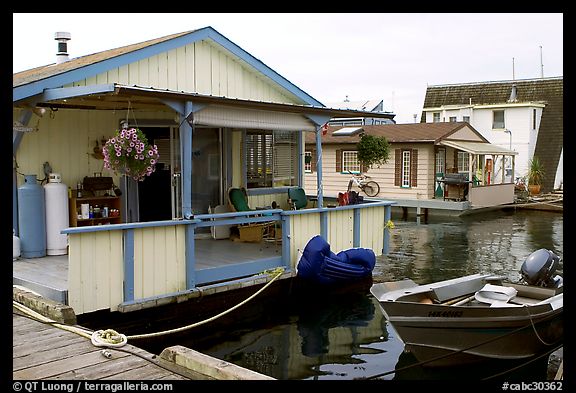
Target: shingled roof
[549, 91]
[401, 133]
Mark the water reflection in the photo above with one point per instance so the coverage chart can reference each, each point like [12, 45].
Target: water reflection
[496, 242]
[347, 337]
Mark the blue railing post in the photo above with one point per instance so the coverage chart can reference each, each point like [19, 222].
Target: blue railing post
[356, 230]
[128, 265]
[190, 257]
[286, 241]
[387, 217]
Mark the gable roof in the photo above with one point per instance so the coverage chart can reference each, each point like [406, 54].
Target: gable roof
[549, 91]
[398, 133]
[31, 82]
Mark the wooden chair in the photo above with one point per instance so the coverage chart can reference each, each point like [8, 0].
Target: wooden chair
[254, 232]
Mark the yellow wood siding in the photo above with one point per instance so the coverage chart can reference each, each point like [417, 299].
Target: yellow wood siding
[200, 67]
[340, 230]
[95, 271]
[66, 140]
[159, 261]
[281, 199]
[302, 228]
[372, 229]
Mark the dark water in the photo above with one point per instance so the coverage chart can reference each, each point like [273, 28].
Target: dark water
[346, 337]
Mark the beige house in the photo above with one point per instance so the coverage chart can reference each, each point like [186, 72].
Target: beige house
[421, 154]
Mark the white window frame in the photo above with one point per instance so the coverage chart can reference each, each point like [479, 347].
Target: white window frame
[453, 119]
[463, 162]
[498, 125]
[405, 176]
[440, 161]
[435, 117]
[350, 161]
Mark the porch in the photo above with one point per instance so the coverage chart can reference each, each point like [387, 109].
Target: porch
[126, 267]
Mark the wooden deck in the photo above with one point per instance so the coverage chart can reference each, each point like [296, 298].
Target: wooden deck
[42, 351]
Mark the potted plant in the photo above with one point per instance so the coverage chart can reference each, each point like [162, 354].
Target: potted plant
[373, 150]
[535, 175]
[128, 153]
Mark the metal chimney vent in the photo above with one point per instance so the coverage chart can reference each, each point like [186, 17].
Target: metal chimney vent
[513, 94]
[62, 37]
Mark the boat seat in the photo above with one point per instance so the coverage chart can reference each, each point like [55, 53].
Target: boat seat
[497, 295]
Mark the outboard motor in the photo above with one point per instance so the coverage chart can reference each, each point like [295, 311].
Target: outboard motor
[539, 267]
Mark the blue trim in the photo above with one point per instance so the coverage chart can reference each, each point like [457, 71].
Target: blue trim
[178, 106]
[237, 270]
[190, 257]
[130, 225]
[324, 223]
[319, 186]
[319, 120]
[268, 190]
[301, 154]
[386, 243]
[186, 135]
[33, 88]
[237, 221]
[263, 68]
[17, 137]
[60, 93]
[129, 265]
[243, 160]
[356, 230]
[286, 241]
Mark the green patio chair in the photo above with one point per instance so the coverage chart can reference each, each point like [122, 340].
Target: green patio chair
[297, 198]
[238, 199]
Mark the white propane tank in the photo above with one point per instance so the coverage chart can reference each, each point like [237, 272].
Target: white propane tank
[56, 194]
[15, 246]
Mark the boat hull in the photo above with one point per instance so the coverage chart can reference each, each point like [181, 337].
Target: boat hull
[449, 332]
[441, 343]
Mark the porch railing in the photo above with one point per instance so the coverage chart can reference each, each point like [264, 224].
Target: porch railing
[113, 265]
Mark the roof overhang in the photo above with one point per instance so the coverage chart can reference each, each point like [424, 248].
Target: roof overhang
[121, 97]
[478, 148]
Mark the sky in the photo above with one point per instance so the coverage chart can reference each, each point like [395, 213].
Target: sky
[362, 56]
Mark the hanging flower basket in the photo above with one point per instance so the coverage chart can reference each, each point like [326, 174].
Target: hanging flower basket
[128, 153]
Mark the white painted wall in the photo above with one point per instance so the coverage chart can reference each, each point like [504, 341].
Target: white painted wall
[517, 118]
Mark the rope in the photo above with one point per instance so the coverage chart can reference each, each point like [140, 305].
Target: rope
[113, 339]
[278, 272]
[534, 328]
[108, 338]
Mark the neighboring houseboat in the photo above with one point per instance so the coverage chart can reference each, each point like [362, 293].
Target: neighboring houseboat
[524, 115]
[220, 119]
[423, 156]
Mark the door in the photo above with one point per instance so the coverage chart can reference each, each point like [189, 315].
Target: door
[155, 191]
[206, 169]
[440, 169]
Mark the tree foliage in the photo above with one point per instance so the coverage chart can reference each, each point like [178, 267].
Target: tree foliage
[373, 150]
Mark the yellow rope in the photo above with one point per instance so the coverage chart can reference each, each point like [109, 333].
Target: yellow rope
[111, 338]
[278, 272]
[42, 318]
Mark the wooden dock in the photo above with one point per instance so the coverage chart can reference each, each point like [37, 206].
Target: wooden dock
[45, 352]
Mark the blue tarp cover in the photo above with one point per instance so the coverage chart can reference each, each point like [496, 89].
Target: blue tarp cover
[319, 263]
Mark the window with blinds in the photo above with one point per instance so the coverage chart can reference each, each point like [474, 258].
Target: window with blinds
[271, 158]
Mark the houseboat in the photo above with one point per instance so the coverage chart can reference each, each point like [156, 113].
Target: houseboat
[219, 119]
